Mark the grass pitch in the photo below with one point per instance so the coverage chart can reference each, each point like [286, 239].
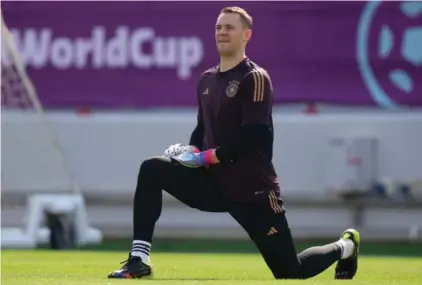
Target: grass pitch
[42, 267]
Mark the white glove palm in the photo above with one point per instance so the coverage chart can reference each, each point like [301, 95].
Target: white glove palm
[177, 149]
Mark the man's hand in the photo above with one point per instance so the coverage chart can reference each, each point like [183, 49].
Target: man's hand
[197, 159]
[177, 149]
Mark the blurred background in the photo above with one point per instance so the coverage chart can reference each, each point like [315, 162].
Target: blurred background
[116, 84]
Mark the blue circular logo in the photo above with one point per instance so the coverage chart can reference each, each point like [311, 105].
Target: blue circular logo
[410, 52]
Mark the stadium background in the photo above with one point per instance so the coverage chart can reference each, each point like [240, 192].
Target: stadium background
[341, 71]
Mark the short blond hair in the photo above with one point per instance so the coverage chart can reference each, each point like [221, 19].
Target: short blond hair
[244, 16]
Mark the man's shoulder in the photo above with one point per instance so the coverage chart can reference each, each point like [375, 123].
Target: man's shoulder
[210, 72]
[253, 69]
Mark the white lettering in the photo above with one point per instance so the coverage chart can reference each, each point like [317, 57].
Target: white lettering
[33, 46]
[98, 35]
[191, 53]
[62, 53]
[165, 52]
[82, 48]
[139, 37]
[140, 48]
[116, 50]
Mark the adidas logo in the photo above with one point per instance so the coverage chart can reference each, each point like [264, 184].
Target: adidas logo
[205, 92]
[272, 231]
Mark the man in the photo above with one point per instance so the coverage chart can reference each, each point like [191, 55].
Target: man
[227, 167]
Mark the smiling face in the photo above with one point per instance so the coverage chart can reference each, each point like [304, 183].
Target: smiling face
[232, 33]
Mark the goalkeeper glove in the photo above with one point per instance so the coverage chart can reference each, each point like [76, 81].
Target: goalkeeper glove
[197, 159]
[177, 149]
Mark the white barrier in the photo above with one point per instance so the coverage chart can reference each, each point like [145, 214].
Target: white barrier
[105, 151]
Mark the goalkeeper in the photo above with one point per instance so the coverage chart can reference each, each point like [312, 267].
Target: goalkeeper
[227, 167]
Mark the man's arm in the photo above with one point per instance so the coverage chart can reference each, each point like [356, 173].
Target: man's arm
[256, 92]
[197, 136]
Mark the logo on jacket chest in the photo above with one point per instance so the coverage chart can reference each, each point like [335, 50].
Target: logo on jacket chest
[232, 88]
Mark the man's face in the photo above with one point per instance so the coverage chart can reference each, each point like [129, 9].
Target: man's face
[230, 34]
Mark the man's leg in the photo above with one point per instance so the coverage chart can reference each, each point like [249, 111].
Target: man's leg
[267, 226]
[189, 185]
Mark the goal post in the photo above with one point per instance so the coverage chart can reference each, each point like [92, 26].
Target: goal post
[26, 133]
[32, 159]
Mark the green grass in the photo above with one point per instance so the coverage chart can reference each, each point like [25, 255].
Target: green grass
[402, 249]
[42, 267]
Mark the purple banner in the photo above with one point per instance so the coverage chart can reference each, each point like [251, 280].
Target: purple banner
[150, 54]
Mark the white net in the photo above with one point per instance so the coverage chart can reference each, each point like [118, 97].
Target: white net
[31, 156]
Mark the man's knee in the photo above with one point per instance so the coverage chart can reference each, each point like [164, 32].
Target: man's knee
[287, 275]
[289, 272]
[154, 173]
[155, 167]
[157, 171]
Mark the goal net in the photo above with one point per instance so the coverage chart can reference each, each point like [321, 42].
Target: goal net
[31, 157]
[33, 164]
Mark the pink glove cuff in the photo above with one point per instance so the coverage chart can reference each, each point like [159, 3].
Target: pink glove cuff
[207, 157]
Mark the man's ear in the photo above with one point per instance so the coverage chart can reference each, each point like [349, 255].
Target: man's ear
[248, 34]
